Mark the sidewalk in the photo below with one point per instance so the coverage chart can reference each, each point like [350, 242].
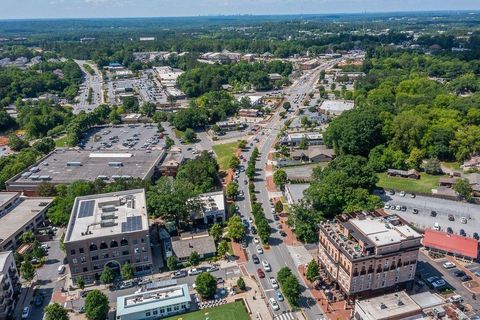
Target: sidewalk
[335, 310]
[239, 253]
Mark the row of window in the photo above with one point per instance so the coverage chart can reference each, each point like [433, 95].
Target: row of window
[162, 311]
[104, 245]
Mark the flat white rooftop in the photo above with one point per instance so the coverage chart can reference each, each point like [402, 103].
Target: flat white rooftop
[381, 232]
[107, 214]
[393, 305]
[337, 106]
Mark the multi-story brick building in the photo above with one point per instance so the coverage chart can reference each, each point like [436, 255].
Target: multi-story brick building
[367, 253]
[108, 230]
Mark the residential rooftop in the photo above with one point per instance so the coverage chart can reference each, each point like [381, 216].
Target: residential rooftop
[153, 299]
[63, 166]
[107, 214]
[21, 213]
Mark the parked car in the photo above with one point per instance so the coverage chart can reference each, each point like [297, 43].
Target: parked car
[448, 265]
[260, 273]
[451, 217]
[38, 301]
[283, 233]
[463, 233]
[463, 220]
[256, 240]
[438, 284]
[475, 236]
[212, 269]
[253, 230]
[193, 271]
[274, 304]
[458, 273]
[415, 211]
[61, 269]
[433, 213]
[255, 259]
[449, 230]
[220, 280]
[274, 283]
[276, 217]
[178, 274]
[402, 193]
[279, 295]
[266, 266]
[466, 278]
[259, 249]
[25, 313]
[398, 208]
[126, 284]
[386, 206]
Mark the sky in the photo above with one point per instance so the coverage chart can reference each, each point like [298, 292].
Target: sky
[26, 9]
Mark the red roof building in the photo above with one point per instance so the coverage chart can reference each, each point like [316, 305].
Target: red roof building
[451, 243]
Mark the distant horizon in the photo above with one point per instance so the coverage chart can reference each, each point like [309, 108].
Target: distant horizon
[249, 15]
[91, 9]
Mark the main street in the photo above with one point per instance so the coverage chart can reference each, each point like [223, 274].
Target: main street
[277, 255]
[95, 82]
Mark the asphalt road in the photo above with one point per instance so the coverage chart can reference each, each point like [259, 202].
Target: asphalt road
[443, 208]
[278, 255]
[90, 81]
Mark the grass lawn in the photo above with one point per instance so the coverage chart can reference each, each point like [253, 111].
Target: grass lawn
[224, 153]
[61, 142]
[425, 184]
[452, 165]
[228, 311]
[178, 133]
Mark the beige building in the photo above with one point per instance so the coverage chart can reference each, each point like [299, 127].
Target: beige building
[367, 253]
[19, 214]
[108, 230]
[9, 284]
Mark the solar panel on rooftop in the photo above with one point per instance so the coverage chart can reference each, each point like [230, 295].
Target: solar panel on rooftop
[132, 224]
[86, 208]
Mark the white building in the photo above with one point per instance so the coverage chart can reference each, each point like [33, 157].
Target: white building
[9, 281]
[210, 208]
[336, 107]
[154, 304]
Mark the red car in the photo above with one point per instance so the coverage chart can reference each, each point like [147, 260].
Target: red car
[260, 272]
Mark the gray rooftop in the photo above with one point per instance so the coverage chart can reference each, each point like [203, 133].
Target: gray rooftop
[107, 214]
[152, 299]
[21, 214]
[68, 165]
[393, 305]
[202, 244]
[296, 190]
[5, 197]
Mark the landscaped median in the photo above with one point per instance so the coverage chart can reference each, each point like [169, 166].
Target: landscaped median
[234, 310]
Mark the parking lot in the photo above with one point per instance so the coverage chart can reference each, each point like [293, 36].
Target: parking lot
[442, 207]
[132, 136]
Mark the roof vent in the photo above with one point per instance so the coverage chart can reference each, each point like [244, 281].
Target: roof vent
[383, 306]
[400, 303]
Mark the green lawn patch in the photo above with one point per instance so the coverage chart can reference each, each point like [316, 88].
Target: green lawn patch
[180, 134]
[452, 165]
[228, 311]
[61, 142]
[224, 153]
[425, 184]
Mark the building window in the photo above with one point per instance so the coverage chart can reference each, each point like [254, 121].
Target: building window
[74, 261]
[135, 241]
[94, 258]
[82, 259]
[145, 258]
[125, 252]
[147, 314]
[81, 250]
[155, 312]
[103, 245]
[93, 247]
[143, 240]
[72, 251]
[137, 259]
[115, 253]
[162, 310]
[113, 244]
[85, 269]
[124, 242]
[169, 309]
[176, 308]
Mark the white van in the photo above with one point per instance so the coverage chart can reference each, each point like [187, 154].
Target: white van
[61, 269]
[436, 226]
[456, 299]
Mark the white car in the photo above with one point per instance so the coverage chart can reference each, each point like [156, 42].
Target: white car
[386, 206]
[439, 284]
[266, 266]
[256, 240]
[274, 283]
[274, 304]
[193, 271]
[25, 313]
[402, 193]
[250, 220]
[259, 249]
[448, 265]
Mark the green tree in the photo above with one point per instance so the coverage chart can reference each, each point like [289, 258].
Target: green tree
[206, 285]
[148, 109]
[280, 178]
[169, 143]
[286, 106]
[160, 128]
[289, 285]
[127, 271]
[27, 271]
[242, 144]
[216, 232]
[194, 258]
[96, 305]
[415, 158]
[107, 275]
[37, 251]
[16, 143]
[279, 206]
[45, 145]
[55, 311]
[232, 190]
[241, 284]
[234, 162]
[172, 263]
[432, 166]
[222, 248]
[80, 283]
[190, 135]
[46, 189]
[303, 144]
[463, 188]
[27, 237]
[235, 228]
[312, 270]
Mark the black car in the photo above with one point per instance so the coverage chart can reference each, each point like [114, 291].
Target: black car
[458, 273]
[475, 236]
[462, 233]
[449, 230]
[433, 213]
[283, 233]
[276, 217]
[415, 211]
[253, 230]
[255, 259]
[244, 243]
[465, 278]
